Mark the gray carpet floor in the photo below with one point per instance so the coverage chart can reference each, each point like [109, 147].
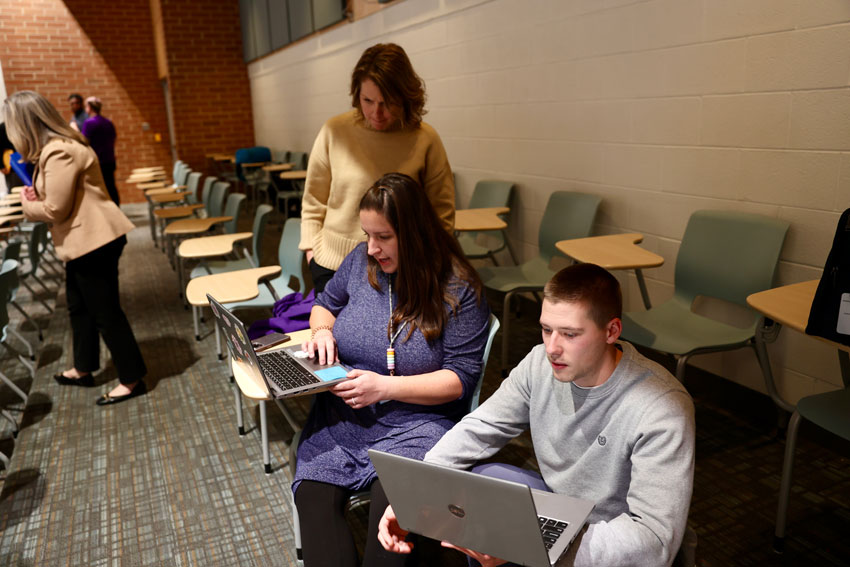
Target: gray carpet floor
[164, 479]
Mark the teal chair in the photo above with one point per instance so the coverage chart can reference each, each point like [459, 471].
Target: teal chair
[8, 281]
[290, 259]
[568, 215]
[361, 498]
[725, 255]
[261, 216]
[12, 251]
[291, 192]
[36, 246]
[487, 194]
[831, 411]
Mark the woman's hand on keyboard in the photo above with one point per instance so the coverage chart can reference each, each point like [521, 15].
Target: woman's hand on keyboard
[322, 345]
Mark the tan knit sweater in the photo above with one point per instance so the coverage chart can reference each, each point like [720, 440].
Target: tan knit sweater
[347, 158]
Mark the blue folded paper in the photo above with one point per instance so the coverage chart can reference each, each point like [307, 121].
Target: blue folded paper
[21, 168]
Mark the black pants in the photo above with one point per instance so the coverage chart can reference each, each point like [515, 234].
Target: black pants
[108, 171]
[91, 284]
[325, 535]
[321, 276]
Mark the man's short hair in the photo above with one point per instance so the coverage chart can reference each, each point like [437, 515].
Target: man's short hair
[73, 96]
[590, 285]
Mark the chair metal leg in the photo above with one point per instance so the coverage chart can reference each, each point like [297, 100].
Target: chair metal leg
[28, 318]
[20, 337]
[785, 486]
[20, 393]
[12, 419]
[296, 427]
[642, 286]
[680, 368]
[5, 461]
[264, 435]
[240, 421]
[218, 343]
[35, 296]
[195, 316]
[506, 318]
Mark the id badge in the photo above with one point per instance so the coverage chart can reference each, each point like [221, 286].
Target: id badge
[844, 315]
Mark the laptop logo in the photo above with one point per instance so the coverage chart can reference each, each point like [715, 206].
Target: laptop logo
[456, 511]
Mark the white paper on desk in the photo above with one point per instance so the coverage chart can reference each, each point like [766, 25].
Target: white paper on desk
[844, 315]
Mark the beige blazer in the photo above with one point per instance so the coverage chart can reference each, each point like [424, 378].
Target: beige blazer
[73, 198]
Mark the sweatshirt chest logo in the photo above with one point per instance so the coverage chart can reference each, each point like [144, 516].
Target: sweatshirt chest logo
[601, 440]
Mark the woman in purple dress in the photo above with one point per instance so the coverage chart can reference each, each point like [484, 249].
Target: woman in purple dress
[101, 134]
[405, 311]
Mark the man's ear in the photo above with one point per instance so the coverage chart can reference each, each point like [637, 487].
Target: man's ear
[613, 330]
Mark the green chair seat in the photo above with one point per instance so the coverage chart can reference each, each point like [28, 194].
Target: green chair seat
[673, 328]
[830, 410]
[527, 276]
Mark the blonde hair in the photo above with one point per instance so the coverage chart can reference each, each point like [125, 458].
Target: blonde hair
[31, 122]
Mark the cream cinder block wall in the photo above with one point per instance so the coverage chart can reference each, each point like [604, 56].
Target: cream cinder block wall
[662, 107]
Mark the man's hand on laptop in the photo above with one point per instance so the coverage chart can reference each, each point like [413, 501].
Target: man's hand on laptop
[391, 535]
[322, 345]
[364, 388]
[483, 558]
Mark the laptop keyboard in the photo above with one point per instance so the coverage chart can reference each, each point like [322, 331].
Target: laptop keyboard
[285, 372]
[551, 530]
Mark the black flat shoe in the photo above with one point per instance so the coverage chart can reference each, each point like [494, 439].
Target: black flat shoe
[138, 390]
[86, 381]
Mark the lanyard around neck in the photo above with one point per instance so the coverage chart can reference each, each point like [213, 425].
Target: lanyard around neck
[393, 336]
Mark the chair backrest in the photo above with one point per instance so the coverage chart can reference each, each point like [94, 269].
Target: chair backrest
[8, 278]
[217, 196]
[182, 174]
[494, 327]
[37, 246]
[728, 255]
[207, 189]
[568, 215]
[288, 255]
[235, 202]
[491, 194]
[192, 186]
[175, 171]
[261, 217]
[12, 251]
[250, 155]
[299, 160]
[280, 156]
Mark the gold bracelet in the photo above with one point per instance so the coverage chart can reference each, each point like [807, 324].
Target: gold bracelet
[320, 328]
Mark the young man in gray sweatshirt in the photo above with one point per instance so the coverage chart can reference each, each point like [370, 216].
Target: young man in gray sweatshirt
[607, 425]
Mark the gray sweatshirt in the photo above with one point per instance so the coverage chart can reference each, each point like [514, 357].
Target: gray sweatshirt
[627, 445]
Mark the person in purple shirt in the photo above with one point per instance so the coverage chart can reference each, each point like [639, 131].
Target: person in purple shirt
[101, 134]
[406, 312]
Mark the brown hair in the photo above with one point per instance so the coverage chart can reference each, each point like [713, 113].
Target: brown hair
[431, 265]
[31, 122]
[590, 285]
[387, 65]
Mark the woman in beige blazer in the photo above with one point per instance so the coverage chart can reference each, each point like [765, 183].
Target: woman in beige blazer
[89, 234]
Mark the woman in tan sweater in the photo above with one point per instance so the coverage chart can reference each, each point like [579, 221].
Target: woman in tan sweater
[383, 133]
[89, 234]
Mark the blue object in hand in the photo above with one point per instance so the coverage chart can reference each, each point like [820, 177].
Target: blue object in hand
[21, 168]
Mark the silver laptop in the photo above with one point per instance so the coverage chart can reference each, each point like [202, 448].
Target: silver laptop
[287, 372]
[503, 519]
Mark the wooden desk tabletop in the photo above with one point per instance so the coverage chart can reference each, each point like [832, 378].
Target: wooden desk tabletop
[161, 191]
[145, 177]
[12, 210]
[6, 231]
[147, 169]
[167, 198]
[228, 287]
[255, 164]
[224, 157]
[253, 387]
[146, 185]
[789, 305]
[480, 219]
[207, 246]
[278, 167]
[16, 190]
[300, 174]
[612, 252]
[11, 218]
[176, 212]
[194, 226]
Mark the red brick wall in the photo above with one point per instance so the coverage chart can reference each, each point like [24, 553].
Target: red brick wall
[94, 48]
[210, 93]
[106, 48]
